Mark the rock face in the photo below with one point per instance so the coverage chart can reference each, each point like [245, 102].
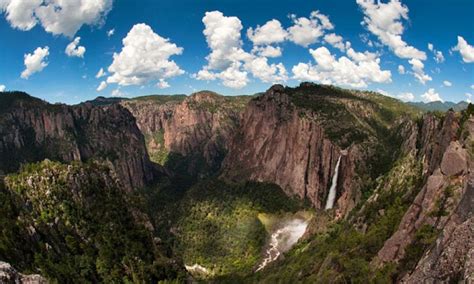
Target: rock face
[445, 203]
[32, 130]
[281, 142]
[8, 275]
[188, 134]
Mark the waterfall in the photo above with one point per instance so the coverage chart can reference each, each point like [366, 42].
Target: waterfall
[332, 190]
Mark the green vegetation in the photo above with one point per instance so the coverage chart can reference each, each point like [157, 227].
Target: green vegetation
[219, 228]
[343, 253]
[76, 222]
[155, 144]
[161, 99]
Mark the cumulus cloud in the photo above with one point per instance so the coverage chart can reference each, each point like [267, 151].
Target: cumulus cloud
[417, 67]
[118, 93]
[401, 69]
[431, 96]
[406, 97]
[55, 16]
[267, 51]
[385, 21]
[35, 62]
[271, 32]
[447, 83]
[306, 31]
[438, 55]
[228, 61]
[74, 49]
[358, 72]
[145, 57]
[465, 49]
[102, 86]
[336, 41]
[2, 88]
[472, 87]
[162, 84]
[101, 73]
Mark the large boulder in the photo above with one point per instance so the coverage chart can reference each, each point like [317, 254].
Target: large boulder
[454, 160]
[9, 275]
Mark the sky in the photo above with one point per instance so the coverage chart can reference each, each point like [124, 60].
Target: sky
[75, 50]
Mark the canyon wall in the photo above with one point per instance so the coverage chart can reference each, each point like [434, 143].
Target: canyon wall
[32, 130]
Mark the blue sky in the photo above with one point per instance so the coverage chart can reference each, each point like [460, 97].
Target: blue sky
[236, 66]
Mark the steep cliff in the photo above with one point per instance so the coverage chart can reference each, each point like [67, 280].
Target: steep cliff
[32, 130]
[294, 136]
[188, 134]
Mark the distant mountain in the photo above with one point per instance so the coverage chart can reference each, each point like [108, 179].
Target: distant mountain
[440, 106]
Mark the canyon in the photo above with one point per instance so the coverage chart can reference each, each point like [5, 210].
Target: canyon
[395, 178]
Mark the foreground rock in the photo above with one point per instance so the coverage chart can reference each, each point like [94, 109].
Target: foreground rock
[8, 275]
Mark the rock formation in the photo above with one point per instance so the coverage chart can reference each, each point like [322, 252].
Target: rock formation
[9, 275]
[32, 130]
[188, 134]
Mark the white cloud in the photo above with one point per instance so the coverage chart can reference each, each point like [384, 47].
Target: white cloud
[267, 51]
[145, 57]
[35, 62]
[383, 92]
[469, 97]
[271, 32]
[102, 86]
[268, 73]
[162, 84]
[228, 62]
[328, 70]
[447, 83]
[438, 55]
[56, 16]
[118, 93]
[417, 67]
[384, 21]
[431, 96]
[306, 31]
[2, 88]
[472, 87]
[336, 41]
[406, 97]
[101, 73]
[401, 69]
[74, 49]
[466, 50]
[110, 32]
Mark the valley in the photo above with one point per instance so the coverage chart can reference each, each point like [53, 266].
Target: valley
[305, 184]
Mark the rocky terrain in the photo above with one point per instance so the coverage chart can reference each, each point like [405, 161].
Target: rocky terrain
[188, 134]
[185, 168]
[32, 130]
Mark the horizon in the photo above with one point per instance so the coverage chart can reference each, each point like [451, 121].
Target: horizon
[225, 95]
[134, 48]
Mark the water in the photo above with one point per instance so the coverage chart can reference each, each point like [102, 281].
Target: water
[283, 239]
[197, 269]
[332, 189]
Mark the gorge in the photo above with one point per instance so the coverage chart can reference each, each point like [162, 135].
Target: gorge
[212, 188]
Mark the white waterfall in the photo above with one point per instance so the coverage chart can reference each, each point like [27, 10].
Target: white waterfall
[332, 190]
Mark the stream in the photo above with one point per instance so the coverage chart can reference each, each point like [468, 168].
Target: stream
[283, 236]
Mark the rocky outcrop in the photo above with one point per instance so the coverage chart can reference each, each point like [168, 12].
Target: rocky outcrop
[283, 143]
[444, 203]
[9, 275]
[32, 130]
[188, 133]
